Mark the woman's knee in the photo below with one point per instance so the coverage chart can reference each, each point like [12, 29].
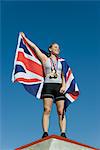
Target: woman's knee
[47, 110]
[60, 111]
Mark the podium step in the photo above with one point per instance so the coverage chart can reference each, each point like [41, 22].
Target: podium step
[55, 142]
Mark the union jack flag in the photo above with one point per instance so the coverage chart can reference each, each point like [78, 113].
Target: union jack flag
[28, 70]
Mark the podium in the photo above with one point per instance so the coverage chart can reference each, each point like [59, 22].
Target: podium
[55, 142]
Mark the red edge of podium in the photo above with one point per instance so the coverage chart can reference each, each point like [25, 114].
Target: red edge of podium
[56, 137]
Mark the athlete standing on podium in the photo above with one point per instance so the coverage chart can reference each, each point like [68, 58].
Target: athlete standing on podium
[54, 85]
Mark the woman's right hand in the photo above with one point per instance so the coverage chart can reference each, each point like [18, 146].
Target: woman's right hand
[22, 34]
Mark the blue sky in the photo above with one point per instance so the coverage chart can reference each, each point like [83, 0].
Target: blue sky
[75, 26]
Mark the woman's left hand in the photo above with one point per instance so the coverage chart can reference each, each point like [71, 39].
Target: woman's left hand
[62, 89]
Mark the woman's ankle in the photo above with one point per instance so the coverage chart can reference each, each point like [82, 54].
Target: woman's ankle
[45, 131]
[45, 134]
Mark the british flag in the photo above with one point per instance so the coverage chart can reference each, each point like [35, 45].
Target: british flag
[28, 70]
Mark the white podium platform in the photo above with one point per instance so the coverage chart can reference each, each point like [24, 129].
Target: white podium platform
[55, 142]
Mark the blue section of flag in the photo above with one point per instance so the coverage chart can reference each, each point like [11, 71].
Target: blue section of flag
[65, 67]
[32, 89]
[46, 53]
[19, 68]
[24, 47]
[66, 104]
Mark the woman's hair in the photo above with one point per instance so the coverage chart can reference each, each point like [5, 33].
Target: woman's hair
[50, 46]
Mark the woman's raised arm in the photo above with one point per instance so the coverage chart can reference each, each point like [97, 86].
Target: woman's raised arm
[40, 55]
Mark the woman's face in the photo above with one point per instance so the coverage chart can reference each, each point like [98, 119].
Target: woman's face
[55, 48]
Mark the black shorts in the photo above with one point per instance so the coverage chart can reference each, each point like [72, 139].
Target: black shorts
[52, 90]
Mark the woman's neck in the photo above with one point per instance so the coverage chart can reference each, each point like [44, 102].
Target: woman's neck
[53, 57]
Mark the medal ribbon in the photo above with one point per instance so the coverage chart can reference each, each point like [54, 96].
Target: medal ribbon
[55, 66]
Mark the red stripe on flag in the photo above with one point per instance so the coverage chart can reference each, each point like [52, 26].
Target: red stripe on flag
[69, 73]
[27, 80]
[30, 65]
[74, 96]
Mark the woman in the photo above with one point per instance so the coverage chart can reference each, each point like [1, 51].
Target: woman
[54, 85]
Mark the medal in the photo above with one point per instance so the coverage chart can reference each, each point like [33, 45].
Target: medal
[53, 69]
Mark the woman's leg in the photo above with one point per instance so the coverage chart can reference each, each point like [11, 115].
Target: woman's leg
[62, 123]
[47, 102]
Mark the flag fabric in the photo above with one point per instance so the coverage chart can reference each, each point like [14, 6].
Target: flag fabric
[28, 70]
